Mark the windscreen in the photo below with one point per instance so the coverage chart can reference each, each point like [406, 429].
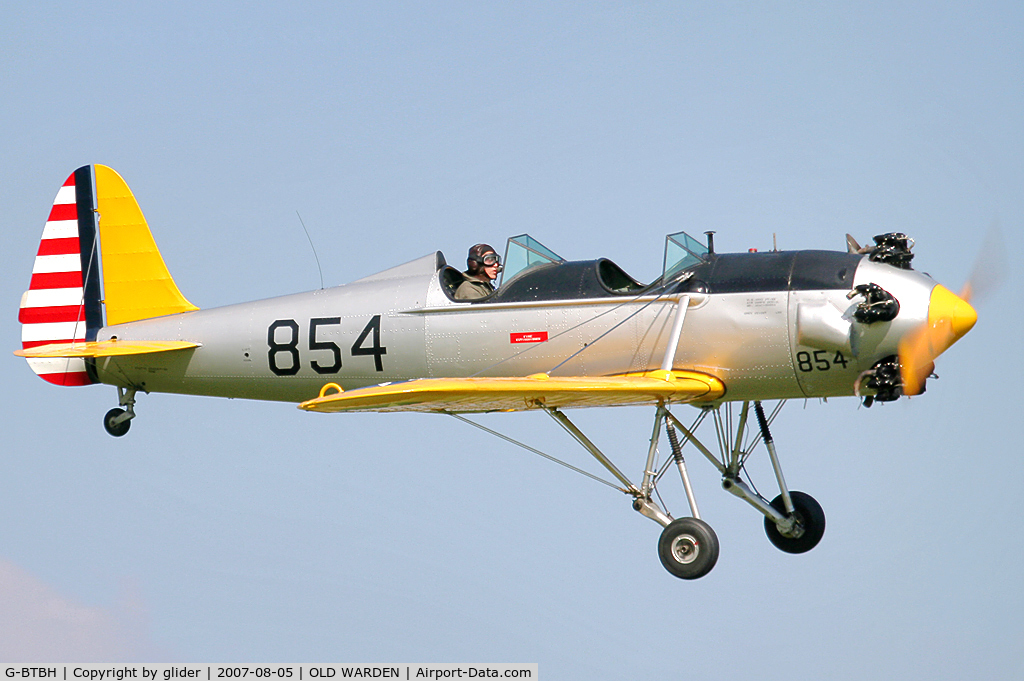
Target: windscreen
[523, 252]
[682, 251]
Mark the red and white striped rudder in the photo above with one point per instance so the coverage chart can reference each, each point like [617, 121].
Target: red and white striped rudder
[62, 304]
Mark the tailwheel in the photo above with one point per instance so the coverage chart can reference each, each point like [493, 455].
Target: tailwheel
[807, 530]
[114, 422]
[688, 548]
[117, 421]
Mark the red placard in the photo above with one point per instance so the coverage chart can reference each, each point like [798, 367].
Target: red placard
[528, 337]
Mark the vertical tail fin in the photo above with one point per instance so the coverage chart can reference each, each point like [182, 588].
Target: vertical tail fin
[94, 214]
[136, 283]
[62, 304]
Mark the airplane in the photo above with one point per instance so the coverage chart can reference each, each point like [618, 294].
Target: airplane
[721, 332]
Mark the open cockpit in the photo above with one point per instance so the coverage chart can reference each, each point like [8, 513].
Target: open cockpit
[532, 272]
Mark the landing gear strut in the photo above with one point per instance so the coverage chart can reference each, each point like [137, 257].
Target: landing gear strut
[688, 547]
[793, 521]
[117, 421]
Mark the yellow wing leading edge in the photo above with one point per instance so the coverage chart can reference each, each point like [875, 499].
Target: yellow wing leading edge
[466, 395]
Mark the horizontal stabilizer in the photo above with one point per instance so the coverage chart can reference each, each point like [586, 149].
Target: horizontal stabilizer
[465, 395]
[108, 348]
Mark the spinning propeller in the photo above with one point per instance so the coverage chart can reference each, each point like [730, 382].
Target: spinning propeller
[950, 316]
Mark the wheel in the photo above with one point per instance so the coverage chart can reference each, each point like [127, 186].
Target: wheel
[811, 518]
[116, 429]
[688, 548]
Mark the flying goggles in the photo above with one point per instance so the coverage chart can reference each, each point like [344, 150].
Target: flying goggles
[488, 259]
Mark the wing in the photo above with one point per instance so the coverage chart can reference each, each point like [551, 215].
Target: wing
[109, 348]
[464, 395]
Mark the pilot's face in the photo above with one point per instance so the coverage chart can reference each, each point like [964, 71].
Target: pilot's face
[491, 270]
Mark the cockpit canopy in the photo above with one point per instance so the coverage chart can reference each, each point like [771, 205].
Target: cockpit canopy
[682, 252]
[534, 272]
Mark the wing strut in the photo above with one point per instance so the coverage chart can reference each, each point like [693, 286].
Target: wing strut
[677, 330]
[688, 546]
[528, 448]
[642, 501]
[571, 428]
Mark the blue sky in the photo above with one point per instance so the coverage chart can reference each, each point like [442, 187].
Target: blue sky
[227, 530]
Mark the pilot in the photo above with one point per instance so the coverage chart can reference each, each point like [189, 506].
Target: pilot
[482, 267]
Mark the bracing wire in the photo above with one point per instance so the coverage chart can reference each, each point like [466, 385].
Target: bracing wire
[570, 329]
[536, 451]
[665, 291]
[594, 342]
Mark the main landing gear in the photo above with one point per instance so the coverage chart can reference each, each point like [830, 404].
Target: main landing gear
[117, 421]
[688, 547]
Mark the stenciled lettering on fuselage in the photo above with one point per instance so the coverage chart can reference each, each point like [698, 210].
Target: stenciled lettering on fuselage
[528, 337]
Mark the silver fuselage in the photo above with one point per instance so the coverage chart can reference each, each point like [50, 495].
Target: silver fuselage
[400, 325]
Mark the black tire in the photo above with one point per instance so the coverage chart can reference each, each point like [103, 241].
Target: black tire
[119, 429]
[688, 548]
[811, 517]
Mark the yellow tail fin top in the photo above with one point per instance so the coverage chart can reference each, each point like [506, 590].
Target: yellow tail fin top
[136, 282]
